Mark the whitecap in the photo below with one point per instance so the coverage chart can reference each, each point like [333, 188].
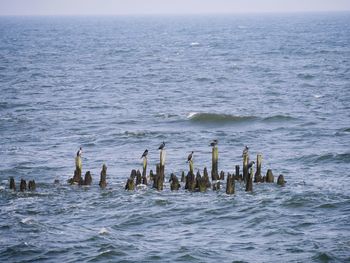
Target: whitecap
[317, 96]
[27, 220]
[191, 115]
[193, 44]
[103, 231]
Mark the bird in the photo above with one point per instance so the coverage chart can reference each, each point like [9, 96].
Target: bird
[245, 151]
[213, 143]
[161, 147]
[189, 158]
[80, 152]
[250, 164]
[144, 154]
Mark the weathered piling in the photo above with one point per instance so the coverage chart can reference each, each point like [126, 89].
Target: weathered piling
[206, 177]
[78, 168]
[138, 178]
[230, 184]
[162, 162]
[258, 177]
[174, 182]
[88, 178]
[203, 183]
[12, 184]
[222, 175]
[238, 177]
[198, 179]
[214, 163]
[190, 182]
[31, 185]
[103, 177]
[130, 185]
[249, 183]
[182, 177]
[144, 166]
[151, 175]
[269, 176]
[190, 162]
[144, 179]
[23, 185]
[280, 180]
[245, 166]
[158, 179]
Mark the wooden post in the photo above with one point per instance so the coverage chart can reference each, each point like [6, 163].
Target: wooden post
[249, 184]
[174, 183]
[77, 173]
[245, 166]
[162, 162]
[257, 177]
[182, 177]
[151, 175]
[144, 168]
[191, 166]
[222, 175]
[130, 185]
[206, 177]
[31, 185]
[23, 185]
[269, 176]
[159, 178]
[138, 178]
[12, 184]
[88, 178]
[230, 184]
[214, 163]
[103, 177]
[237, 176]
[280, 180]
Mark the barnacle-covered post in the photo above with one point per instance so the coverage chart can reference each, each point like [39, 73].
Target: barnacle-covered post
[280, 180]
[162, 163]
[214, 163]
[144, 169]
[269, 176]
[78, 168]
[23, 185]
[31, 185]
[257, 177]
[130, 184]
[103, 178]
[190, 162]
[88, 178]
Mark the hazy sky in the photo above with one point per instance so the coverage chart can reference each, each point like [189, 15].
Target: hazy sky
[105, 7]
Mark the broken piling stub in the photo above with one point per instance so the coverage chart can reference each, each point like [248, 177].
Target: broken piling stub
[245, 166]
[269, 176]
[174, 183]
[230, 184]
[103, 177]
[258, 177]
[12, 184]
[138, 178]
[88, 178]
[249, 183]
[31, 185]
[280, 180]
[130, 185]
[214, 163]
[23, 185]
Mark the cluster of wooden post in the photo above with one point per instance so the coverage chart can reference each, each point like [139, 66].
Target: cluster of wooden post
[78, 179]
[23, 185]
[202, 183]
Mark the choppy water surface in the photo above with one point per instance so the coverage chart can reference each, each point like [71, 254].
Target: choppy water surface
[119, 85]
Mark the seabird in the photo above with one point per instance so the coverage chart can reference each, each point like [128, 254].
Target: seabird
[189, 158]
[161, 147]
[245, 151]
[250, 164]
[144, 154]
[80, 152]
[213, 143]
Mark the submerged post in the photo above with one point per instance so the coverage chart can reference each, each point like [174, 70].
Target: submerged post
[130, 185]
[249, 184]
[214, 163]
[258, 177]
[230, 184]
[103, 177]
[23, 185]
[88, 178]
[31, 185]
[269, 176]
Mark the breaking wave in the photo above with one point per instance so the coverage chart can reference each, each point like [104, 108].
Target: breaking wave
[216, 117]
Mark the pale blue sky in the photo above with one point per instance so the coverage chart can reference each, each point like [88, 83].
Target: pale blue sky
[125, 7]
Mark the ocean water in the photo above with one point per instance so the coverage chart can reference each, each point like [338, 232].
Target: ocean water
[118, 85]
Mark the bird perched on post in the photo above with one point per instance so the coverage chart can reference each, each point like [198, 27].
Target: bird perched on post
[213, 143]
[245, 151]
[80, 152]
[161, 147]
[189, 158]
[144, 154]
[250, 164]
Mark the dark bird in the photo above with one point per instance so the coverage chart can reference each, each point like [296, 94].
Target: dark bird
[189, 158]
[80, 152]
[213, 143]
[250, 164]
[245, 151]
[144, 154]
[161, 147]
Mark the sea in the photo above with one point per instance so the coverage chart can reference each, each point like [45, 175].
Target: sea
[117, 85]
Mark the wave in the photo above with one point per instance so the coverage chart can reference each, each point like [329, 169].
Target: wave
[217, 117]
[222, 117]
[327, 158]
